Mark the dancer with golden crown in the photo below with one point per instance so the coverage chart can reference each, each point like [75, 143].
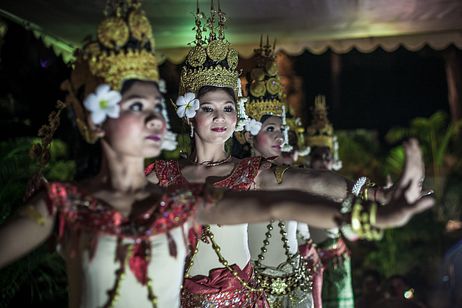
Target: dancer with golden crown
[280, 269]
[124, 239]
[219, 272]
[337, 290]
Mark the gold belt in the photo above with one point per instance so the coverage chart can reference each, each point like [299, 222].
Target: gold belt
[284, 284]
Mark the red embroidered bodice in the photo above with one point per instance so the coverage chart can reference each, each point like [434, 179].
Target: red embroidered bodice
[241, 178]
[79, 212]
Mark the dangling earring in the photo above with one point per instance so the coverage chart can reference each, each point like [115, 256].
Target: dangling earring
[192, 131]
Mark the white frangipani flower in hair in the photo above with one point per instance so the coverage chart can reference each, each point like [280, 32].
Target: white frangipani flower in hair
[169, 143]
[253, 126]
[187, 105]
[103, 103]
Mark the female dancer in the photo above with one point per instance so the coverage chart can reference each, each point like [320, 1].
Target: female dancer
[220, 275]
[123, 239]
[275, 253]
[337, 288]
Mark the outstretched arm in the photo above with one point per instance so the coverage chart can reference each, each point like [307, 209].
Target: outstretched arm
[332, 185]
[259, 206]
[25, 231]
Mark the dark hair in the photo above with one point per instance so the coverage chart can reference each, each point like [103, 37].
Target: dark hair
[206, 89]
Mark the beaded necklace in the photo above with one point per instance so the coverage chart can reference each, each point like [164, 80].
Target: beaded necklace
[282, 285]
[209, 163]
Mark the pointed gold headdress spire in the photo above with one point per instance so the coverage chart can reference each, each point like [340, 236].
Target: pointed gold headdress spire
[122, 50]
[211, 62]
[124, 47]
[264, 86]
[320, 132]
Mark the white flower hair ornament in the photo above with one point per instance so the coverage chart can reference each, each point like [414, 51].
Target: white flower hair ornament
[337, 165]
[286, 147]
[253, 126]
[162, 86]
[169, 143]
[187, 105]
[244, 122]
[103, 103]
[242, 116]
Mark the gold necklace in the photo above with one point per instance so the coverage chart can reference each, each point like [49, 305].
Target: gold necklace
[209, 163]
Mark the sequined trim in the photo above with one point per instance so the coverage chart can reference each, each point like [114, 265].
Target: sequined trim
[236, 298]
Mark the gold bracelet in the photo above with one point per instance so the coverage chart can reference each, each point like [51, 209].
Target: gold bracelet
[365, 189]
[363, 220]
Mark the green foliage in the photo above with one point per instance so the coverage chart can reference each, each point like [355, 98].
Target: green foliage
[360, 152]
[394, 162]
[40, 271]
[419, 246]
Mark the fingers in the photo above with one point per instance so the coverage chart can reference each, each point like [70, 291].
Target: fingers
[401, 191]
[423, 204]
[426, 192]
[389, 182]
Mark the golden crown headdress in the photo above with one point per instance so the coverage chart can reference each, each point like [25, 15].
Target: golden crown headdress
[211, 62]
[265, 92]
[320, 132]
[123, 49]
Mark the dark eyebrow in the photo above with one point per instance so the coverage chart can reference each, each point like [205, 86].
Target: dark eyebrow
[134, 96]
[157, 97]
[224, 103]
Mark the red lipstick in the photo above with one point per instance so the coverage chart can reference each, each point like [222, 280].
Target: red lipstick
[153, 137]
[219, 129]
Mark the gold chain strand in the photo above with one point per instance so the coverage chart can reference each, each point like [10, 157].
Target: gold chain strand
[207, 234]
[151, 296]
[114, 293]
[284, 285]
[266, 241]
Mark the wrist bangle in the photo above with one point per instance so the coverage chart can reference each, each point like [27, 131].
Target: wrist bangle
[362, 218]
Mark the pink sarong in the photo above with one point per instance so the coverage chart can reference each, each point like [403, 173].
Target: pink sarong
[221, 289]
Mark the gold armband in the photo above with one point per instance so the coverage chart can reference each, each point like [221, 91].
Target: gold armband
[363, 220]
[279, 173]
[358, 219]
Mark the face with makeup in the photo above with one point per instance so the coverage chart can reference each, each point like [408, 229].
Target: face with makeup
[269, 140]
[140, 127]
[321, 158]
[216, 118]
